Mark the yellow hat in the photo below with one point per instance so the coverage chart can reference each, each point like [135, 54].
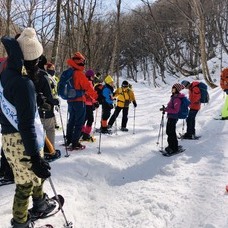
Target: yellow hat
[108, 79]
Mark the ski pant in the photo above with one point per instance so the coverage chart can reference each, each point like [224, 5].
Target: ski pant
[77, 111]
[225, 107]
[106, 112]
[191, 121]
[124, 116]
[171, 133]
[89, 118]
[49, 127]
[27, 183]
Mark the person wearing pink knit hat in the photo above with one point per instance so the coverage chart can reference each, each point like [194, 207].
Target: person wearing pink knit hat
[172, 109]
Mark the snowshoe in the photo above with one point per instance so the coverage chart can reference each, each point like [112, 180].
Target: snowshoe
[6, 181]
[123, 129]
[77, 146]
[168, 152]
[52, 157]
[89, 139]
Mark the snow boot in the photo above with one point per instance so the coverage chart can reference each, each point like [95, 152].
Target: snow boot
[42, 207]
[123, 129]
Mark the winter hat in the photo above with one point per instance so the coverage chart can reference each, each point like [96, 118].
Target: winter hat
[29, 44]
[50, 65]
[185, 83]
[108, 79]
[125, 84]
[89, 73]
[178, 86]
[79, 59]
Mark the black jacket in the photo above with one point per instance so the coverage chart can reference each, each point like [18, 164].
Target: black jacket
[43, 86]
[20, 92]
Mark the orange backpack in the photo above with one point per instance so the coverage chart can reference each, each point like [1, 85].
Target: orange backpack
[224, 79]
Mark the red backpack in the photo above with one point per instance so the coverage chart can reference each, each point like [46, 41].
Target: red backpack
[224, 79]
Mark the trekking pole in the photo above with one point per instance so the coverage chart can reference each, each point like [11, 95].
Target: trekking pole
[115, 118]
[134, 122]
[183, 125]
[95, 121]
[161, 128]
[68, 224]
[99, 145]
[64, 136]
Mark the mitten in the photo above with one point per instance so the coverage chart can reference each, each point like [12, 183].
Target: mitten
[134, 103]
[40, 167]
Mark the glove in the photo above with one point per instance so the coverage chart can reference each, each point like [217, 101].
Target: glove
[162, 109]
[40, 167]
[134, 103]
[96, 104]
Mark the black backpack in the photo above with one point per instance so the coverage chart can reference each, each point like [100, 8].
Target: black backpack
[99, 88]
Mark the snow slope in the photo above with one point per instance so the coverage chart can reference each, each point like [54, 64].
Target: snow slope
[130, 184]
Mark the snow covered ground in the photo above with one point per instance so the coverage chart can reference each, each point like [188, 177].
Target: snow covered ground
[130, 184]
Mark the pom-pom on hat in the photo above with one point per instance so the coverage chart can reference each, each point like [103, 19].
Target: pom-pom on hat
[89, 73]
[185, 83]
[29, 44]
[178, 86]
[108, 79]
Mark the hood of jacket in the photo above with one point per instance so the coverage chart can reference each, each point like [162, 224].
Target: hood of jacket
[71, 63]
[15, 55]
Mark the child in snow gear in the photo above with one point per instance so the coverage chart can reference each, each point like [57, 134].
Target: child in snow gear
[91, 104]
[194, 97]
[76, 107]
[22, 136]
[224, 86]
[107, 103]
[124, 97]
[172, 110]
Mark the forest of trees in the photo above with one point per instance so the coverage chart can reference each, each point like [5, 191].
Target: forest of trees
[176, 36]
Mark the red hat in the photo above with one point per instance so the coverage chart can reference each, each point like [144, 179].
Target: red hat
[79, 58]
[178, 86]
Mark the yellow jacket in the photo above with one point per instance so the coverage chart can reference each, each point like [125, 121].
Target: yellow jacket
[124, 97]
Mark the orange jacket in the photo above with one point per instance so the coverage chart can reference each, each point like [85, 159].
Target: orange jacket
[81, 82]
[194, 96]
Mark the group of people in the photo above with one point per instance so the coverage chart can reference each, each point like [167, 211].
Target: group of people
[172, 109]
[28, 97]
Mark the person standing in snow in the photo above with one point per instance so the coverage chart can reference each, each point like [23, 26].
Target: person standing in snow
[76, 107]
[91, 104]
[124, 97]
[107, 103]
[172, 110]
[22, 131]
[194, 97]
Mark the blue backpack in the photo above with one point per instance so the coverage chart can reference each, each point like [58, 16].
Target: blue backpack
[66, 88]
[204, 93]
[183, 112]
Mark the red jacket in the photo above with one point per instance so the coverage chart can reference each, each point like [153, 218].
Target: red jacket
[194, 96]
[81, 82]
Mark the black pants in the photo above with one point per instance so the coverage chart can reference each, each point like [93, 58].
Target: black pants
[89, 118]
[171, 133]
[191, 121]
[124, 116]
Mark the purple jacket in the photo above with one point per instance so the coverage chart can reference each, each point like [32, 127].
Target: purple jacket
[173, 106]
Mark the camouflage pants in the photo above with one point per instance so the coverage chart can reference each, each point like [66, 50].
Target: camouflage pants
[27, 183]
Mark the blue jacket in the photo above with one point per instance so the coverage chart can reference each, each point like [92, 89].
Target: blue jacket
[107, 93]
[20, 92]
